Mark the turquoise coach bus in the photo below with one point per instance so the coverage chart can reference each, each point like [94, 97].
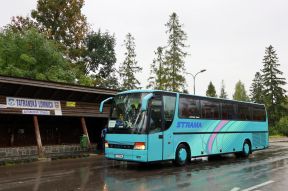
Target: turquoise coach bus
[152, 125]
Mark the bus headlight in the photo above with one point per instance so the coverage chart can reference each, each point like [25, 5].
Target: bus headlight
[139, 146]
[106, 144]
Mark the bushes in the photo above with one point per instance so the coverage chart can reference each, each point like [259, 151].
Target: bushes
[281, 127]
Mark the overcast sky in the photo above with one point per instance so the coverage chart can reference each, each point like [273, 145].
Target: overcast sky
[226, 37]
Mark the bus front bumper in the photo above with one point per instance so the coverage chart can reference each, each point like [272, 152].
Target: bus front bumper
[126, 154]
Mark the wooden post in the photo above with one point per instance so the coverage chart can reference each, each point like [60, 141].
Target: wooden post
[38, 137]
[12, 137]
[84, 128]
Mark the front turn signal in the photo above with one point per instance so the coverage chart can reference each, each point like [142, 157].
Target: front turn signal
[139, 146]
[106, 144]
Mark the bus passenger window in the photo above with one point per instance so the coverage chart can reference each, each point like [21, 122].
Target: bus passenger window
[229, 111]
[189, 107]
[210, 109]
[259, 114]
[244, 112]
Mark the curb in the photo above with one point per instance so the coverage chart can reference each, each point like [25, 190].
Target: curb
[278, 141]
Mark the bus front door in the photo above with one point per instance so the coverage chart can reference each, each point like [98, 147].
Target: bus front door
[155, 135]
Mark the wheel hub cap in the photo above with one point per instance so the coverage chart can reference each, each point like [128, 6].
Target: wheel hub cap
[246, 149]
[182, 154]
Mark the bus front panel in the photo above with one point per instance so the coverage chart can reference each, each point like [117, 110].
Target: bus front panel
[128, 147]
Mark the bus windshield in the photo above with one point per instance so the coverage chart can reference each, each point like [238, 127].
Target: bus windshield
[126, 115]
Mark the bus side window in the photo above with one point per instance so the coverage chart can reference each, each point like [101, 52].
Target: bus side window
[155, 116]
[189, 107]
[228, 111]
[210, 109]
[169, 103]
[259, 114]
[244, 112]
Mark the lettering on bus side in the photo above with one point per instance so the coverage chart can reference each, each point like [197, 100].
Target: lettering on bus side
[193, 124]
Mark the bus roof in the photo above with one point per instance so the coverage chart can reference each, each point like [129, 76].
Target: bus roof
[204, 97]
[136, 91]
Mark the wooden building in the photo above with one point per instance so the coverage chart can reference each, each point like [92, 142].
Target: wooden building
[42, 116]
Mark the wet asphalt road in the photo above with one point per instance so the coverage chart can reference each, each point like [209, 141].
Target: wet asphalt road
[264, 170]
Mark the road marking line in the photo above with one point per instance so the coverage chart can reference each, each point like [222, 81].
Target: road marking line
[258, 185]
[235, 189]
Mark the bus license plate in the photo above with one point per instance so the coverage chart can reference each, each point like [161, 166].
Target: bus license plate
[119, 156]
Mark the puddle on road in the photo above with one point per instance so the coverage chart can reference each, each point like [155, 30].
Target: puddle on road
[213, 173]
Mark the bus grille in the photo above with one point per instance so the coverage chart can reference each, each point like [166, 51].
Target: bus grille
[117, 146]
[259, 139]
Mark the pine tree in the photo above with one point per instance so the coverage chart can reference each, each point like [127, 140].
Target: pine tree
[240, 92]
[211, 92]
[129, 67]
[256, 89]
[223, 93]
[156, 79]
[273, 85]
[175, 55]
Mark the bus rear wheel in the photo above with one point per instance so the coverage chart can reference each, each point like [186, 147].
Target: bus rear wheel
[246, 151]
[182, 155]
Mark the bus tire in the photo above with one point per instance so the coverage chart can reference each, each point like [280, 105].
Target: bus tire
[246, 151]
[182, 155]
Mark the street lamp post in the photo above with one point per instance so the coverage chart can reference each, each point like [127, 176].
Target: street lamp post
[194, 76]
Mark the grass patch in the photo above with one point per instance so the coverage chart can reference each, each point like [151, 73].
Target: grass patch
[276, 136]
[16, 161]
[73, 156]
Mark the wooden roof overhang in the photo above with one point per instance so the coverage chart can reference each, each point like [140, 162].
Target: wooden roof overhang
[37, 89]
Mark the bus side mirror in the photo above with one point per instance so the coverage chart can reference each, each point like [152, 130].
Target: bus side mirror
[102, 104]
[145, 100]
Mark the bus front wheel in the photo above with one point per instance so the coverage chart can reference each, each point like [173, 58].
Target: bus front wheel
[182, 155]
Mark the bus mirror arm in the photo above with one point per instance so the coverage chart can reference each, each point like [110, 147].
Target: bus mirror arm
[102, 104]
[145, 100]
